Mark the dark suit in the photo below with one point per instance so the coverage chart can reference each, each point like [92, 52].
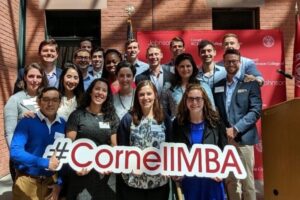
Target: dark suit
[167, 76]
[244, 110]
[21, 75]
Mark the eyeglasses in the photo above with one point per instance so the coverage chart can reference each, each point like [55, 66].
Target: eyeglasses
[192, 99]
[229, 62]
[48, 100]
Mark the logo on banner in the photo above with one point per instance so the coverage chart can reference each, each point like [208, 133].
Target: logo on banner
[172, 159]
[268, 41]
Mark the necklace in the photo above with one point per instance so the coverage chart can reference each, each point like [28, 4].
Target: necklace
[132, 94]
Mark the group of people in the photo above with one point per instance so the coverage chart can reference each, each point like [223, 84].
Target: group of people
[117, 99]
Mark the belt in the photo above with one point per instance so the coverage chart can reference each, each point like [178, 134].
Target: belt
[38, 178]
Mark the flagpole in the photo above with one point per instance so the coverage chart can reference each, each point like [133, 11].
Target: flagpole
[130, 10]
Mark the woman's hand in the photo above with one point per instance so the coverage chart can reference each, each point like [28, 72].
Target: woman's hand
[83, 172]
[29, 114]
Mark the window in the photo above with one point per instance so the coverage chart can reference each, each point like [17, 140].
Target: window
[68, 27]
[235, 18]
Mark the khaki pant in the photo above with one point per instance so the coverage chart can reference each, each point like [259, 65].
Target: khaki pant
[238, 189]
[29, 188]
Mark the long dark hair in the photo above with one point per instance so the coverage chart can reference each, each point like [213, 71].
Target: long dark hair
[107, 107]
[79, 90]
[22, 84]
[136, 111]
[209, 114]
[181, 57]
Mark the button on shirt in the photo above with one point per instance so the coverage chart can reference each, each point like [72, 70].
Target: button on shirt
[230, 87]
[158, 81]
[52, 78]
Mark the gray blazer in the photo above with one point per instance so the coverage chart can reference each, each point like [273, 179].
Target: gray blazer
[13, 112]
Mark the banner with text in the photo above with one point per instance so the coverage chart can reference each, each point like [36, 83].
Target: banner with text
[265, 47]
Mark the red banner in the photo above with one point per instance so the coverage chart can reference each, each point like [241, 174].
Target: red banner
[265, 47]
[296, 61]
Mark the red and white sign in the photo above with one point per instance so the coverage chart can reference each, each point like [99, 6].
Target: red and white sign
[265, 47]
[172, 159]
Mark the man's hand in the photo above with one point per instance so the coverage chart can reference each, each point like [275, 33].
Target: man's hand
[29, 114]
[231, 133]
[53, 162]
[249, 78]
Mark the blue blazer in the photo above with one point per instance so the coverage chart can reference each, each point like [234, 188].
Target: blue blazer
[167, 76]
[21, 75]
[244, 110]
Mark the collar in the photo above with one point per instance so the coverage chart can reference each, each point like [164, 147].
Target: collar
[88, 76]
[160, 70]
[53, 72]
[44, 118]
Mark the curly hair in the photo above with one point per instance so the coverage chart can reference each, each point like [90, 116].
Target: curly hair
[136, 111]
[107, 107]
[210, 115]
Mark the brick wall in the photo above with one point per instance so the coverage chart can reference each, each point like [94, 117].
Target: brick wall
[149, 15]
[9, 25]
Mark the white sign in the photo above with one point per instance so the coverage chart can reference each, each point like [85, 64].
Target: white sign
[172, 159]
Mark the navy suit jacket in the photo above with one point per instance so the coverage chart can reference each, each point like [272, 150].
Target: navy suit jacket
[21, 75]
[244, 110]
[168, 76]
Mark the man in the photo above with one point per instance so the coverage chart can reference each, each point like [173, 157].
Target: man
[86, 43]
[97, 63]
[210, 72]
[248, 67]
[48, 53]
[82, 59]
[176, 48]
[160, 77]
[239, 104]
[35, 176]
[132, 51]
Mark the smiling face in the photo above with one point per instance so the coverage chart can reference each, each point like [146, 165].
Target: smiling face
[232, 64]
[146, 97]
[33, 80]
[49, 103]
[132, 51]
[71, 80]
[82, 60]
[185, 69]
[99, 93]
[207, 54]
[154, 57]
[177, 48]
[48, 53]
[111, 62]
[125, 78]
[231, 43]
[194, 101]
[97, 60]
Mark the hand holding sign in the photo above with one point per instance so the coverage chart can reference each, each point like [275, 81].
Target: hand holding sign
[53, 162]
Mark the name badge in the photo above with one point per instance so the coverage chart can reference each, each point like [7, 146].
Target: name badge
[104, 125]
[58, 135]
[29, 102]
[241, 90]
[156, 128]
[219, 89]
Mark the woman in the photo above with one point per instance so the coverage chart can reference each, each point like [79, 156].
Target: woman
[186, 72]
[96, 120]
[23, 102]
[71, 88]
[123, 100]
[198, 123]
[112, 58]
[145, 126]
